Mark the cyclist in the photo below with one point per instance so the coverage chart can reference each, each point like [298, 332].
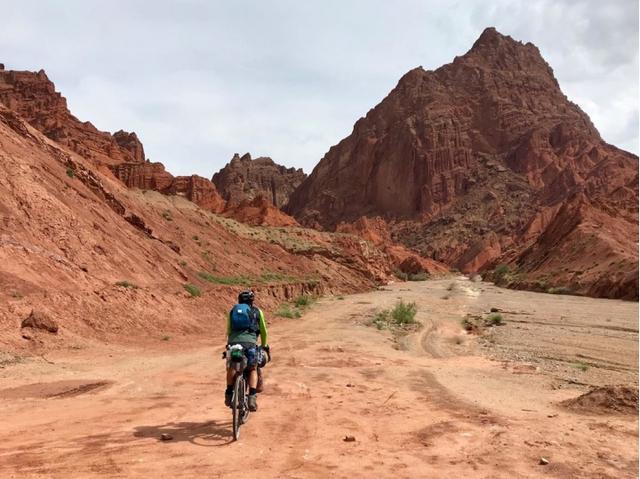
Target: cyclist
[244, 324]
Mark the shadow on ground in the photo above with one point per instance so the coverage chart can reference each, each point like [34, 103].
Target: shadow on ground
[209, 433]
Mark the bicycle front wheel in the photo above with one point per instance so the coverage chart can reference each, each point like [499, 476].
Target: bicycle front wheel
[237, 405]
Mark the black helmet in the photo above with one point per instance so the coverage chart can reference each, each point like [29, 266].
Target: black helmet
[246, 297]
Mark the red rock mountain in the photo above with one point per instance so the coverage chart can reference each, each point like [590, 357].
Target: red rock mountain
[244, 178]
[34, 98]
[463, 160]
[107, 263]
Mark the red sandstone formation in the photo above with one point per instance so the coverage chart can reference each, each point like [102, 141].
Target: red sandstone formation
[258, 212]
[144, 176]
[198, 190]
[33, 96]
[466, 163]
[245, 179]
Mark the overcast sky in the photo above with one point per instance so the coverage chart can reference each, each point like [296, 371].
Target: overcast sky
[199, 80]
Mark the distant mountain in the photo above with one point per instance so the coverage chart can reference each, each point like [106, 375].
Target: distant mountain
[470, 164]
[244, 178]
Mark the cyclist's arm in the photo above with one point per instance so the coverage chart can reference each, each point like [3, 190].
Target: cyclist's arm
[263, 329]
[229, 324]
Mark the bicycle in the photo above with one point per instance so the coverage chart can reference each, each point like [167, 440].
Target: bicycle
[237, 360]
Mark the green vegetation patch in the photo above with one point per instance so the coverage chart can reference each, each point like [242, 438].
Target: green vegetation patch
[192, 289]
[404, 313]
[559, 290]
[127, 284]
[402, 316]
[227, 280]
[286, 311]
[495, 319]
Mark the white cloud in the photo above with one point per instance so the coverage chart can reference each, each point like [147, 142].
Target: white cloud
[200, 80]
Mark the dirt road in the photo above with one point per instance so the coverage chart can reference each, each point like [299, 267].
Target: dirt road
[437, 403]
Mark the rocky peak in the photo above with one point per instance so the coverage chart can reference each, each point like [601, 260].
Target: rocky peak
[34, 97]
[245, 178]
[131, 143]
[458, 159]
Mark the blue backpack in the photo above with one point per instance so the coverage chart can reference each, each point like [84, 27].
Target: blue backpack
[245, 318]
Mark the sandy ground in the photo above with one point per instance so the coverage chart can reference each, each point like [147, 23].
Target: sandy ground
[435, 403]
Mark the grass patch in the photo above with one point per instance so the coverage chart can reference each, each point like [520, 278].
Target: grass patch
[381, 319]
[495, 319]
[559, 290]
[304, 301]
[451, 287]
[166, 214]
[340, 298]
[285, 311]
[227, 280]
[127, 284]
[402, 315]
[274, 277]
[192, 289]
[166, 338]
[423, 276]
[182, 263]
[71, 173]
[580, 365]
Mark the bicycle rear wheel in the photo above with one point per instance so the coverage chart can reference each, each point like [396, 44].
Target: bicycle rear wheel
[238, 405]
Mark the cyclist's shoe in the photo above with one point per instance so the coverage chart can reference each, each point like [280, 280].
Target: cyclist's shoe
[228, 397]
[253, 402]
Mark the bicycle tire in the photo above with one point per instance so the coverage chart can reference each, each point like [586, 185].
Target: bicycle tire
[237, 405]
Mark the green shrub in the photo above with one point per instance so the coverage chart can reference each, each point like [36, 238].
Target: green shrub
[127, 284]
[166, 214]
[502, 269]
[71, 173]
[495, 319]
[404, 313]
[340, 298]
[182, 263]
[166, 338]
[381, 319]
[192, 289]
[303, 301]
[285, 311]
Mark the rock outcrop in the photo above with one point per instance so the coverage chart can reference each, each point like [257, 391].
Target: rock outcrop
[144, 175]
[259, 212]
[198, 190]
[459, 161]
[244, 178]
[34, 97]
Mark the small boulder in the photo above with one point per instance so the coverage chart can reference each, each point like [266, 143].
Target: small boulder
[543, 461]
[349, 439]
[166, 437]
[40, 320]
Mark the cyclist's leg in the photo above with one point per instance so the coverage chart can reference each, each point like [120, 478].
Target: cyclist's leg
[253, 378]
